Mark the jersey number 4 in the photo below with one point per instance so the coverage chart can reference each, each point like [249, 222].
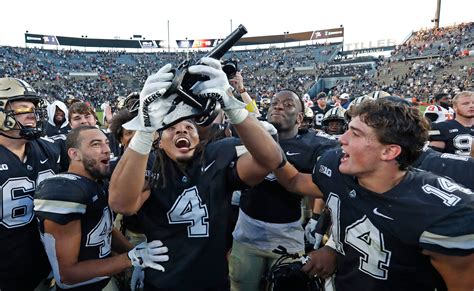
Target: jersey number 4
[189, 209]
[364, 237]
[101, 234]
[16, 205]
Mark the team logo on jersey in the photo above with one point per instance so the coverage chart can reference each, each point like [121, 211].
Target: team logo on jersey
[204, 169]
[453, 130]
[352, 193]
[29, 168]
[271, 177]
[3, 167]
[377, 212]
[325, 170]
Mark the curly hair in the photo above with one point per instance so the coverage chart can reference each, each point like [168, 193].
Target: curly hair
[120, 118]
[395, 123]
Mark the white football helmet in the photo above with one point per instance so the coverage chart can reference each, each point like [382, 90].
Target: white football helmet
[436, 113]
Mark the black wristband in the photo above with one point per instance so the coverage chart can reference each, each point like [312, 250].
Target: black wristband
[316, 216]
[283, 161]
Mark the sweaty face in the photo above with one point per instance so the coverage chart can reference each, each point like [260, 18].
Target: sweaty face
[78, 119]
[464, 106]
[95, 153]
[284, 110]
[179, 141]
[362, 150]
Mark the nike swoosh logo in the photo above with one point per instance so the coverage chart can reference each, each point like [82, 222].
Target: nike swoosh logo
[42, 162]
[376, 212]
[291, 154]
[208, 166]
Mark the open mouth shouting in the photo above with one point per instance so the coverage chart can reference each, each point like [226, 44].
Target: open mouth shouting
[183, 143]
[345, 156]
[105, 161]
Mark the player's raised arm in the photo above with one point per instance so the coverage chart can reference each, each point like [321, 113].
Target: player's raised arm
[127, 183]
[265, 154]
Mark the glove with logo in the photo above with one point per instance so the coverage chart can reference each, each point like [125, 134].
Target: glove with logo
[149, 254]
[136, 282]
[217, 87]
[154, 105]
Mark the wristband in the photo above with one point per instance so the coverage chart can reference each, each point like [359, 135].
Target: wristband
[142, 141]
[236, 116]
[283, 160]
[316, 216]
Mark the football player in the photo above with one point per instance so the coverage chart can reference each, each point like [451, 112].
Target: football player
[456, 136]
[189, 201]
[387, 219]
[25, 161]
[76, 223]
[269, 215]
[334, 122]
[320, 107]
[459, 168]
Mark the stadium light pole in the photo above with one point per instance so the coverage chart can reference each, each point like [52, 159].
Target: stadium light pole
[168, 36]
[187, 48]
[437, 14]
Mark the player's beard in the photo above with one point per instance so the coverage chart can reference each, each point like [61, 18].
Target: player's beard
[92, 167]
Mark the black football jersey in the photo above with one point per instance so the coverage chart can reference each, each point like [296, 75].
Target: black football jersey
[457, 138]
[459, 168]
[60, 143]
[379, 237]
[271, 202]
[67, 197]
[319, 115]
[52, 130]
[23, 258]
[189, 215]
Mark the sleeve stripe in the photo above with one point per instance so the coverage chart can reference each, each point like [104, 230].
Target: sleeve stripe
[449, 242]
[60, 207]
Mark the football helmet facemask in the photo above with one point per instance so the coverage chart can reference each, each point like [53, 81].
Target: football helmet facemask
[265, 103]
[11, 90]
[286, 274]
[334, 114]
